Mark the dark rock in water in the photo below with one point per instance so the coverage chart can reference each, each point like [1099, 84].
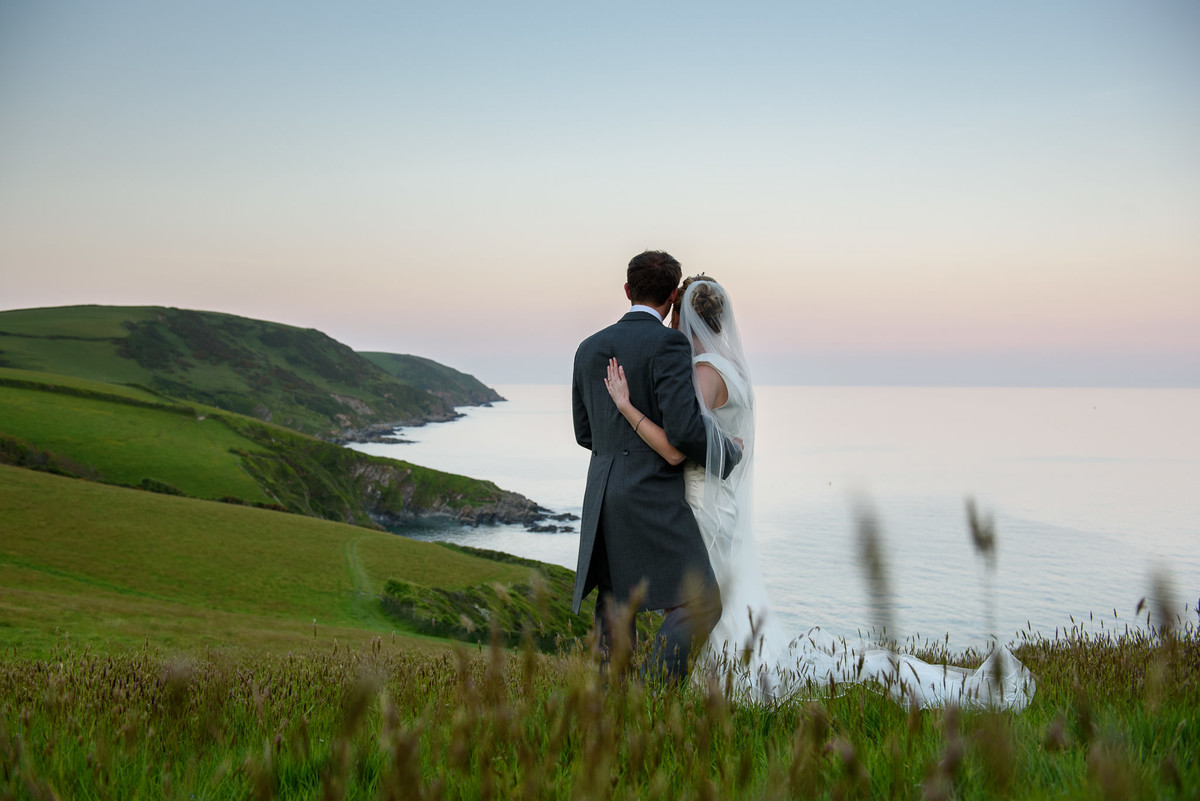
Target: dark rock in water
[360, 437]
[379, 433]
[387, 432]
[549, 528]
[510, 508]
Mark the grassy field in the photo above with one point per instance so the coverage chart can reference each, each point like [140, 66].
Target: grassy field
[72, 341]
[155, 646]
[133, 437]
[82, 322]
[296, 377]
[82, 384]
[1114, 718]
[126, 444]
[113, 567]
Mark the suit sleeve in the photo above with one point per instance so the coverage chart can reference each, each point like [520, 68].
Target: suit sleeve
[676, 396]
[583, 424]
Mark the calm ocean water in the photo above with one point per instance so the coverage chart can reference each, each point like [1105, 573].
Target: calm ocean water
[1093, 492]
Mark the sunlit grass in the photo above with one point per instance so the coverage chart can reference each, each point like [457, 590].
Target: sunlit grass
[127, 444]
[111, 565]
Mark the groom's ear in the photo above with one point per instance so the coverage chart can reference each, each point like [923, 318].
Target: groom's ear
[627, 293]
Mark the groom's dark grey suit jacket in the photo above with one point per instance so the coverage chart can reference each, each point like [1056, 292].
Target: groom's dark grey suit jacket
[633, 495]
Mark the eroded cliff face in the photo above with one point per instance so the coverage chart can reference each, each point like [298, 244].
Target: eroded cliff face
[509, 507]
[393, 498]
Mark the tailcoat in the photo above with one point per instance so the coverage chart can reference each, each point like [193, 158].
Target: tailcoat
[633, 504]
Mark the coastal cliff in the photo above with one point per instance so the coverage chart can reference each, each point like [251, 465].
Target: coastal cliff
[300, 378]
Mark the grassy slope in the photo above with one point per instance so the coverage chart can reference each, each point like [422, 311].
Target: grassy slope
[126, 444]
[457, 387]
[82, 384]
[80, 341]
[126, 435]
[115, 567]
[297, 377]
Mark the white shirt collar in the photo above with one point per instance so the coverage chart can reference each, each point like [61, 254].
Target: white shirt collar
[650, 309]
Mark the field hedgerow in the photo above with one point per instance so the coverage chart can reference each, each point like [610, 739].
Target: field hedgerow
[1115, 716]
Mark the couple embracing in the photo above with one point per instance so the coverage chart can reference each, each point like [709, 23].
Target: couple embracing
[667, 412]
[645, 403]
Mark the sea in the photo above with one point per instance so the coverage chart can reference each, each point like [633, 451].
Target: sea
[1093, 496]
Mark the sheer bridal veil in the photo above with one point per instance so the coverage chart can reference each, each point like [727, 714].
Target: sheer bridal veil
[749, 646]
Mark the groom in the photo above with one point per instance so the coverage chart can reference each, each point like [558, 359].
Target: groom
[637, 528]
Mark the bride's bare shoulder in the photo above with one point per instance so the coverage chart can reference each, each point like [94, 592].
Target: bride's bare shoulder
[712, 385]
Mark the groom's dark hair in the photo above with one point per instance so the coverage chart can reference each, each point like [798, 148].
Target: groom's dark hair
[652, 277]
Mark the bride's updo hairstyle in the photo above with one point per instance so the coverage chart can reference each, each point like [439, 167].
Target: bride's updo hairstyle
[708, 303]
[706, 318]
[677, 308]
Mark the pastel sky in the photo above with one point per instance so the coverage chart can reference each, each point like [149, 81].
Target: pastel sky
[893, 193]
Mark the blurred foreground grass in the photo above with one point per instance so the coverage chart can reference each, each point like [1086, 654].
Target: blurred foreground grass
[1115, 716]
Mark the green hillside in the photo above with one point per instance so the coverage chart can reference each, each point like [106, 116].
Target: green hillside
[296, 377]
[445, 382]
[164, 412]
[113, 567]
[130, 437]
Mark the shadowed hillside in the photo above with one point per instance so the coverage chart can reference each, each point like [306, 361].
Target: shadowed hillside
[445, 382]
[127, 436]
[296, 377]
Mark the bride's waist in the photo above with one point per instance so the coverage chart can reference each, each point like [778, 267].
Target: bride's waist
[693, 477]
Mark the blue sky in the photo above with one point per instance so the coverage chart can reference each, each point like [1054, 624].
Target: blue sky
[892, 193]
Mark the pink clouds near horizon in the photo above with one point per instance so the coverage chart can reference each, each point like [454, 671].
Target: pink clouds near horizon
[926, 195]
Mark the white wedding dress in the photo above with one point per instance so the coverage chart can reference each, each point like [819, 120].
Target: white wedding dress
[748, 645]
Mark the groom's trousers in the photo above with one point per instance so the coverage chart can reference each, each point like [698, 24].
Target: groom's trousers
[684, 627]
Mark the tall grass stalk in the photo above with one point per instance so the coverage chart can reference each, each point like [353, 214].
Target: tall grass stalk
[1115, 716]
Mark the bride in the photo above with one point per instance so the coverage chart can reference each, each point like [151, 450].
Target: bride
[749, 644]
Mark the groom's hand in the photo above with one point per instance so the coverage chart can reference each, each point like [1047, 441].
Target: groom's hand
[734, 449]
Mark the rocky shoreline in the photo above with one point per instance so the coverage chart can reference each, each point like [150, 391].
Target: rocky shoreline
[386, 432]
[511, 509]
